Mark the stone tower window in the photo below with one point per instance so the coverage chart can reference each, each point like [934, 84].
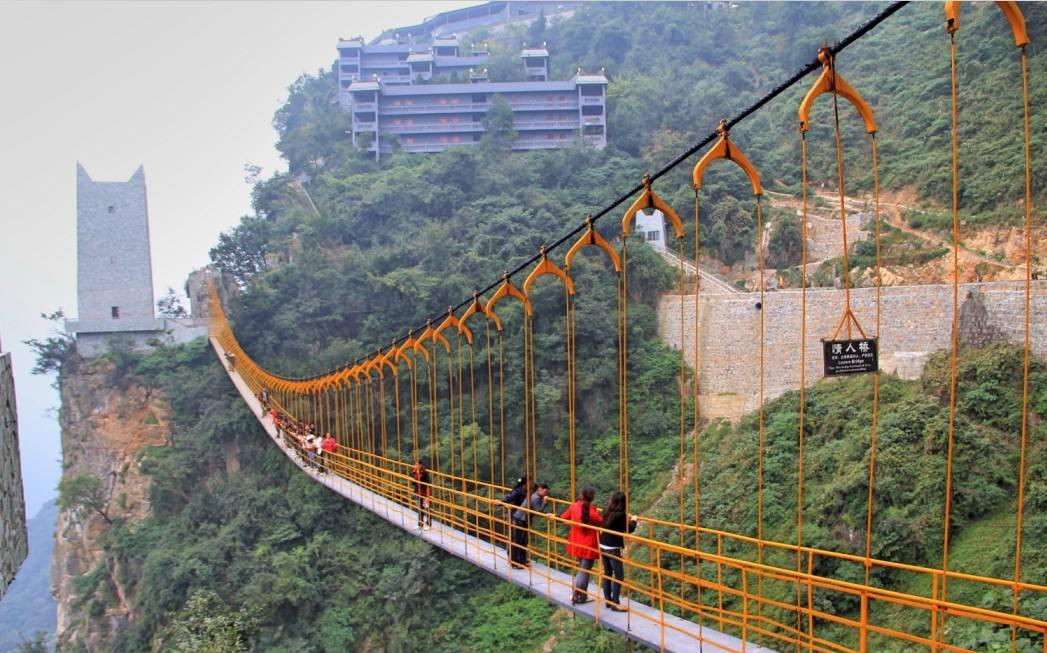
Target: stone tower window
[115, 310]
[112, 209]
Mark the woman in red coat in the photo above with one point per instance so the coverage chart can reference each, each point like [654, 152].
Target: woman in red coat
[583, 541]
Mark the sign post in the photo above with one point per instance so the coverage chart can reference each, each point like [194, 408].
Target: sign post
[842, 357]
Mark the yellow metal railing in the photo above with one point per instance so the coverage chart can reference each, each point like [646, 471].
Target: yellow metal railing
[662, 574]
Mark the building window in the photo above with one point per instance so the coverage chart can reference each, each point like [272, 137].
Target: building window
[653, 235]
[115, 311]
[112, 209]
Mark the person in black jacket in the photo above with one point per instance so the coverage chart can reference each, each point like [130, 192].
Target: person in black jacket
[422, 490]
[612, 547]
[518, 527]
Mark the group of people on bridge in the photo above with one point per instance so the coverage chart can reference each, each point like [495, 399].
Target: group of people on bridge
[301, 436]
[594, 534]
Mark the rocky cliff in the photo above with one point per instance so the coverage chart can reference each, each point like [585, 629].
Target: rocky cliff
[105, 423]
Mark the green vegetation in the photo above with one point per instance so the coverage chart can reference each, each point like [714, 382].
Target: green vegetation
[37, 644]
[82, 493]
[910, 487]
[207, 625]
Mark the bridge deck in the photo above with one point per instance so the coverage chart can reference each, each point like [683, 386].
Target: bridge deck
[642, 623]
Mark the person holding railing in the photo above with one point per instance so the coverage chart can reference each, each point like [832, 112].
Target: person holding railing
[536, 504]
[612, 548]
[583, 541]
[421, 491]
[518, 527]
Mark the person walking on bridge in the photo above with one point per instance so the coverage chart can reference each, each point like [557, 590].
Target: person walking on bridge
[583, 541]
[422, 491]
[328, 446]
[612, 548]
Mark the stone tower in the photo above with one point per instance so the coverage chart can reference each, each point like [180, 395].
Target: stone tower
[114, 269]
[114, 272]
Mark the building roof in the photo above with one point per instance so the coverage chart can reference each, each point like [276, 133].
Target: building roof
[534, 52]
[362, 85]
[445, 40]
[356, 40]
[419, 56]
[590, 79]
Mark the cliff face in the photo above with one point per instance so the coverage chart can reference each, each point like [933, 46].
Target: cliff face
[104, 425]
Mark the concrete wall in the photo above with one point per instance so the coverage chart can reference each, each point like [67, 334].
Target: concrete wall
[915, 321]
[172, 331]
[13, 535]
[112, 252]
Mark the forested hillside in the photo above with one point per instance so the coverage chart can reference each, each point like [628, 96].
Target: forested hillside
[341, 255]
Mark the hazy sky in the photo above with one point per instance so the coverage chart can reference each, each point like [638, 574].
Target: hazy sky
[186, 88]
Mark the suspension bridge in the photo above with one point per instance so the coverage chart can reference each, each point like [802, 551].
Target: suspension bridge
[688, 587]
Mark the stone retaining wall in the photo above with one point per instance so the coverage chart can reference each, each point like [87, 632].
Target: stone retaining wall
[915, 321]
[14, 545]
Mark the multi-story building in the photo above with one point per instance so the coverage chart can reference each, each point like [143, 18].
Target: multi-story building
[402, 62]
[428, 101]
[417, 88]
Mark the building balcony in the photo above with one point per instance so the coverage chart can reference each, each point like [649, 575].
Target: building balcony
[461, 107]
[476, 107]
[592, 120]
[427, 147]
[592, 99]
[406, 78]
[541, 105]
[595, 141]
[364, 126]
[527, 125]
[365, 106]
[541, 143]
[389, 64]
[434, 128]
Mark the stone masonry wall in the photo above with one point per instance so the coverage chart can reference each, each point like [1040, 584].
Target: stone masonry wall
[14, 544]
[915, 321]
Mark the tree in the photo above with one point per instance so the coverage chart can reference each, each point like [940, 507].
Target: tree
[536, 32]
[208, 625]
[38, 644]
[499, 132]
[241, 252]
[786, 242]
[170, 305]
[82, 492]
[55, 350]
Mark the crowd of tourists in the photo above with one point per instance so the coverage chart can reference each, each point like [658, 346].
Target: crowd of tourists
[317, 451]
[594, 534]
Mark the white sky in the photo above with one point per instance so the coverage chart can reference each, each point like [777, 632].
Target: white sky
[186, 88]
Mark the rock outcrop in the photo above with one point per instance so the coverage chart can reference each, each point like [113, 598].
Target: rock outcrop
[105, 424]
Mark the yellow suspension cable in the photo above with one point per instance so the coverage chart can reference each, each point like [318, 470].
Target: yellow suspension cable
[1027, 344]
